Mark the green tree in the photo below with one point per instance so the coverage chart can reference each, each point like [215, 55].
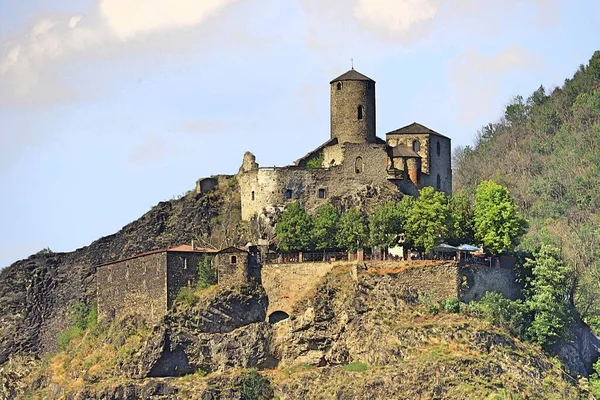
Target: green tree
[462, 219]
[387, 222]
[325, 226]
[548, 296]
[293, 231]
[429, 220]
[206, 274]
[498, 224]
[353, 233]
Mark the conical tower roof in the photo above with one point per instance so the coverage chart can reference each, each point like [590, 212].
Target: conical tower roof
[352, 75]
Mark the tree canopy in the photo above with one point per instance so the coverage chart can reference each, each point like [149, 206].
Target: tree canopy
[353, 230]
[294, 229]
[428, 220]
[498, 225]
[325, 227]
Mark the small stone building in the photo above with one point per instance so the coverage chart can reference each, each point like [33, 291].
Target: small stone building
[232, 266]
[147, 284]
[353, 160]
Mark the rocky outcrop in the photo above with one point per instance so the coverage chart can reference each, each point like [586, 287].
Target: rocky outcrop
[35, 293]
[222, 331]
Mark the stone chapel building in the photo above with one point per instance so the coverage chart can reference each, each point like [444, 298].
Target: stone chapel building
[353, 159]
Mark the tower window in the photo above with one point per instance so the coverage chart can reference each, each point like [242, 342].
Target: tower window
[321, 193]
[233, 259]
[360, 113]
[416, 145]
[339, 86]
[288, 194]
[439, 182]
[252, 195]
[439, 150]
[358, 165]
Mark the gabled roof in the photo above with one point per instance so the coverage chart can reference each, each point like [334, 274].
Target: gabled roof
[233, 250]
[415, 128]
[403, 151]
[330, 142]
[352, 75]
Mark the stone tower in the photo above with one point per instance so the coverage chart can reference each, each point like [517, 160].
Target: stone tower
[353, 108]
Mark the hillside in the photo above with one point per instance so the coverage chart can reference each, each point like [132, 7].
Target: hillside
[36, 293]
[546, 150]
[351, 338]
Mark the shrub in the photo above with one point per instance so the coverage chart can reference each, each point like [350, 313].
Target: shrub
[450, 305]
[254, 386]
[500, 311]
[206, 274]
[355, 367]
[315, 162]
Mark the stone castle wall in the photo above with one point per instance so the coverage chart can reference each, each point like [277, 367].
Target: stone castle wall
[285, 284]
[134, 286]
[264, 188]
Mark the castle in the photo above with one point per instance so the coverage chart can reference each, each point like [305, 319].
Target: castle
[353, 160]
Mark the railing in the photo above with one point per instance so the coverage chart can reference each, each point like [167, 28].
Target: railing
[317, 256]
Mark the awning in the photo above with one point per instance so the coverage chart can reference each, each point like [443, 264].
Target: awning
[445, 248]
[468, 247]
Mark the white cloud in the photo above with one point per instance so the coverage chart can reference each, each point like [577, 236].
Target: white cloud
[477, 78]
[31, 64]
[395, 16]
[129, 18]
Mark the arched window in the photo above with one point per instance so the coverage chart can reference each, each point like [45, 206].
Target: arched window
[439, 182]
[253, 195]
[358, 165]
[360, 113]
[439, 150]
[339, 86]
[416, 145]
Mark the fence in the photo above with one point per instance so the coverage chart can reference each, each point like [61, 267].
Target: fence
[318, 256]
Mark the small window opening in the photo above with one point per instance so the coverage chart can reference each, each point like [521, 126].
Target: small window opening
[233, 259]
[360, 113]
[416, 145]
[439, 150]
[288, 194]
[339, 86]
[358, 165]
[370, 85]
[253, 195]
[183, 262]
[439, 182]
[321, 193]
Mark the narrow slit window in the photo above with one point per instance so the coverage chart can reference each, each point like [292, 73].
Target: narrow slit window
[439, 182]
[360, 113]
[233, 259]
[416, 145]
[358, 165]
[322, 193]
[252, 195]
[439, 150]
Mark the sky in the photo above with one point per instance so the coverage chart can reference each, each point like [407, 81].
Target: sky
[108, 107]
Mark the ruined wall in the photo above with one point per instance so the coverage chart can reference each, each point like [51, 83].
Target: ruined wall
[285, 284]
[476, 280]
[345, 124]
[134, 286]
[182, 271]
[266, 187]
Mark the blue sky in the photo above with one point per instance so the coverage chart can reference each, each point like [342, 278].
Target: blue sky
[110, 106]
